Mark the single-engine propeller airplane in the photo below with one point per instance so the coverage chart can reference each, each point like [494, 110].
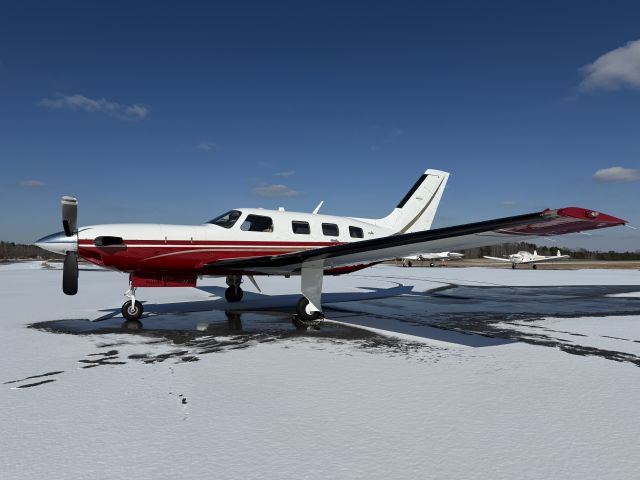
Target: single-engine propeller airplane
[442, 256]
[523, 257]
[249, 242]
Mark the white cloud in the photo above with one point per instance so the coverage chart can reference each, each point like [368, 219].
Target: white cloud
[287, 173]
[78, 102]
[617, 174]
[278, 190]
[616, 69]
[207, 146]
[31, 183]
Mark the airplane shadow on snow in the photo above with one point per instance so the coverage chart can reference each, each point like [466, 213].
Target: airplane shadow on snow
[463, 315]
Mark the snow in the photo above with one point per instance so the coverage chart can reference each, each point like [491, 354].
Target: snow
[428, 402]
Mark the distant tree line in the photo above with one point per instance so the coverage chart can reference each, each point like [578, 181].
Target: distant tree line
[16, 251]
[580, 254]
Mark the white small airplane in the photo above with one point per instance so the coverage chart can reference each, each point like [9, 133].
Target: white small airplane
[442, 256]
[250, 242]
[523, 257]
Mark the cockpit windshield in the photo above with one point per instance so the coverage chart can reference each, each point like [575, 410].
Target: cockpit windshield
[227, 220]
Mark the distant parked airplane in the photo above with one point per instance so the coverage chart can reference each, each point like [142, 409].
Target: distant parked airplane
[442, 256]
[523, 257]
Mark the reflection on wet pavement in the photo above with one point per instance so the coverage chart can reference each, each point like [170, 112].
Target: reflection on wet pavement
[463, 315]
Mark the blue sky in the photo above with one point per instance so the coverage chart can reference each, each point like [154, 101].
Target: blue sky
[175, 112]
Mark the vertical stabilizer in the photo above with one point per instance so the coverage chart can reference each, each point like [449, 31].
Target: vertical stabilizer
[417, 209]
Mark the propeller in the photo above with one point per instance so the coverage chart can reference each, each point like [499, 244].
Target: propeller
[70, 224]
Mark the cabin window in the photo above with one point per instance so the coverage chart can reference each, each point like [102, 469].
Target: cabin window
[227, 220]
[356, 232]
[330, 229]
[301, 228]
[257, 223]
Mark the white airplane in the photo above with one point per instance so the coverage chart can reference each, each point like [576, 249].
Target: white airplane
[442, 256]
[250, 242]
[523, 257]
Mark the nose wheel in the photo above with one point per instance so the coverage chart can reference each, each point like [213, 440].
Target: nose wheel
[132, 308]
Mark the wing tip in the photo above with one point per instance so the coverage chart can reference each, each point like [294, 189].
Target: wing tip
[588, 215]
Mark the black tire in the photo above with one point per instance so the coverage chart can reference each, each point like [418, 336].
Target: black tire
[432, 264]
[409, 264]
[233, 294]
[513, 266]
[534, 266]
[303, 314]
[132, 312]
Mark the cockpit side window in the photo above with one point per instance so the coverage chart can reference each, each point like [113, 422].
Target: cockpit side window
[257, 223]
[227, 220]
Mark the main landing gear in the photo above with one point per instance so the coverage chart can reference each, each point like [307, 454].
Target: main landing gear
[306, 318]
[233, 293]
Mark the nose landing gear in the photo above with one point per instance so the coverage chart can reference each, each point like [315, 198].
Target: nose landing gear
[131, 309]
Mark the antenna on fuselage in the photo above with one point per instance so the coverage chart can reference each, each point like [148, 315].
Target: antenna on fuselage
[317, 209]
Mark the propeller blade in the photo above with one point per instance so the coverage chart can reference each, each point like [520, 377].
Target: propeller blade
[70, 274]
[69, 215]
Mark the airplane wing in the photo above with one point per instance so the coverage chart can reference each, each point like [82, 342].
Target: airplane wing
[545, 223]
[497, 259]
[546, 259]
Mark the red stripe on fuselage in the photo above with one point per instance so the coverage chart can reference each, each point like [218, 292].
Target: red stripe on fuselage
[217, 243]
[172, 255]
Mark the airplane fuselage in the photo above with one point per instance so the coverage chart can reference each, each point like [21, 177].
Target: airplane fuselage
[184, 250]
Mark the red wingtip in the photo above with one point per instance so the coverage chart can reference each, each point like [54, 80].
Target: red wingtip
[591, 216]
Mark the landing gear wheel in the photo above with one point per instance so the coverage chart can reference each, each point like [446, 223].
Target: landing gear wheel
[432, 264]
[513, 266]
[304, 311]
[233, 294]
[132, 312]
[535, 267]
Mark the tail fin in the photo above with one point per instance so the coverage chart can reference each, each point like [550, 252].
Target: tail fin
[535, 253]
[417, 209]
[558, 254]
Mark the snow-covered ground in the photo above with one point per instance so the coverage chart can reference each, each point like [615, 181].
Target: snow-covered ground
[425, 373]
